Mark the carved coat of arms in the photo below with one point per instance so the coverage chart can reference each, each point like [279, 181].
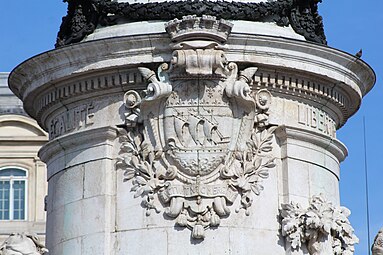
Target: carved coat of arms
[198, 137]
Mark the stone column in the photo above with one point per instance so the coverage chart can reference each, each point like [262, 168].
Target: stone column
[201, 140]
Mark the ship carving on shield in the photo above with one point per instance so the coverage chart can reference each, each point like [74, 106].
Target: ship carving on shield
[194, 135]
[197, 137]
[193, 125]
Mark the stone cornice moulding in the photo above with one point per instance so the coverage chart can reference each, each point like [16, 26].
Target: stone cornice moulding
[303, 56]
[333, 146]
[56, 67]
[283, 84]
[103, 135]
[25, 122]
[17, 163]
[311, 90]
[14, 155]
[24, 140]
[333, 63]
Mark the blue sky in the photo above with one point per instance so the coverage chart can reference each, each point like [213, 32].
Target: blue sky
[351, 25]
[30, 27]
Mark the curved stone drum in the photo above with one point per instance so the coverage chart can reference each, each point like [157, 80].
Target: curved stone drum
[194, 128]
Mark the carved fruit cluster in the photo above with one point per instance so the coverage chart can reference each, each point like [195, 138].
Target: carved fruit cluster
[324, 228]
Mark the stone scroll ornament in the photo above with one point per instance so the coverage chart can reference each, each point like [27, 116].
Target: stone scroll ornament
[198, 135]
[323, 227]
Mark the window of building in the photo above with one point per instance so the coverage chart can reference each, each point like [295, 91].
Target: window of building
[13, 183]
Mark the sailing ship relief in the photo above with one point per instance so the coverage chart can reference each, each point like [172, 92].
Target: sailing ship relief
[198, 128]
[197, 138]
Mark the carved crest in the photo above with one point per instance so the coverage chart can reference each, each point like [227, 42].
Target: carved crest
[198, 136]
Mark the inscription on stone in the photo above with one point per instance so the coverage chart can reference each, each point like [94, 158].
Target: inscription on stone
[200, 190]
[73, 119]
[316, 119]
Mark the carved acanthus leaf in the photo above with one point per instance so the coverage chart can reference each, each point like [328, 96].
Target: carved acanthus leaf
[323, 227]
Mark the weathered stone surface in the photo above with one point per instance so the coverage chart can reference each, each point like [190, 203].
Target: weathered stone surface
[199, 137]
[162, 107]
[322, 226]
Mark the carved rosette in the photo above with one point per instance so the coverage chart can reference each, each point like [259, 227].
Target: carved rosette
[198, 136]
[323, 227]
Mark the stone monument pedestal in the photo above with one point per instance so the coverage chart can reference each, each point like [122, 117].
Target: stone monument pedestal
[206, 139]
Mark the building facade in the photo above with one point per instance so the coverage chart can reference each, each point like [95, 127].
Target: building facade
[23, 184]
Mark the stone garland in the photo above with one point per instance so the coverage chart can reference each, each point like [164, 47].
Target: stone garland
[323, 227]
[85, 15]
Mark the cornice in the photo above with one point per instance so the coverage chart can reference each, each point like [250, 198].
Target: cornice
[282, 83]
[81, 69]
[337, 65]
[24, 122]
[309, 90]
[25, 140]
[102, 135]
[332, 145]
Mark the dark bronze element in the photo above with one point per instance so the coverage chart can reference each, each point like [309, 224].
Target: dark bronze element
[85, 15]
